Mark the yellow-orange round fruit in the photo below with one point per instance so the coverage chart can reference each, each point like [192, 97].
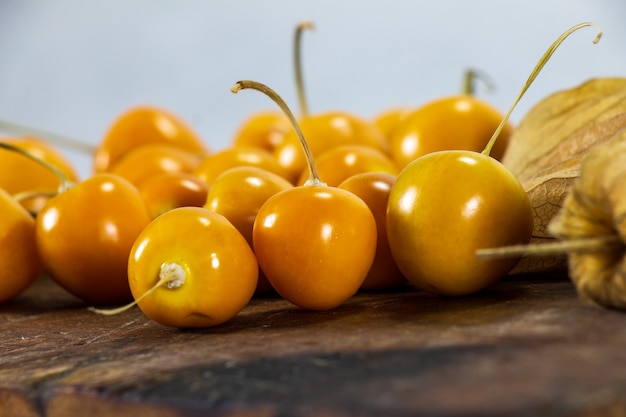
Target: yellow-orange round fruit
[460, 122]
[219, 268]
[445, 206]
[142, 125]
[19, 173]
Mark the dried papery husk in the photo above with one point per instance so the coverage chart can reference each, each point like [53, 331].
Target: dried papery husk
[595, 208]
[543, 137]
[547, 147]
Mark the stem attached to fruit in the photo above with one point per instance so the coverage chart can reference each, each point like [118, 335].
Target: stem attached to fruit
[25, 195]
[314, 178]
[67, 142]
[297, 64]
[64, 182]
[469, 85]
[171, 275]
[535, 72]
[582, 245]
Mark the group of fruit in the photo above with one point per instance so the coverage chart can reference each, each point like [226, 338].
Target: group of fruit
[315, 207]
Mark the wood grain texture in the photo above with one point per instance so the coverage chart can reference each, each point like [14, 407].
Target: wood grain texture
[527, 346]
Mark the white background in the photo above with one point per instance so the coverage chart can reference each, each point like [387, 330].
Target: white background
[72, 66]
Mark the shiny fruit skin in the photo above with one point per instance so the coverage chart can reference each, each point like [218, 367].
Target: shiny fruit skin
[19, 173]
[315, 244]
[221, 270]
[238, 194]
[265, 130]
[460, 122]
[169, 190]
[445, 206]
[140, 126]
[388, 120]
[218, 162]
[374, 188]
[84, 236]
[324, 131]
[18, 249]
[144, 162]
[341, 162]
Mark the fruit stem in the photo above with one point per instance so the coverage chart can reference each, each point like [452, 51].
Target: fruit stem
[589, 244]
[535, 72]
[297, 56]
[469, 81]
[171, 275]
[25, 195]
[314, 178]
[67, 142]
[64, 182]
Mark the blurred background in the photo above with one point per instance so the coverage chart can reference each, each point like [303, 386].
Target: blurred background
[73, 66]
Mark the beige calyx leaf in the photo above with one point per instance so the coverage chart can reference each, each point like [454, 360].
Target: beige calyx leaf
[596, 207]
[546, 195]
[555, 129]
[589, 228]
[546, 150]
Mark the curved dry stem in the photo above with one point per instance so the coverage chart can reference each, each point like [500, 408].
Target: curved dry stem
[535, 72]
[469, 81]
[297, 65]
[64, 182]
[582, 245]
[171, 275]
[64, 141]
[25, 195]
[314, 178]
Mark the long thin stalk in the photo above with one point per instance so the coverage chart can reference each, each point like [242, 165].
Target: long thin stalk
[535, 72]
[60, 140]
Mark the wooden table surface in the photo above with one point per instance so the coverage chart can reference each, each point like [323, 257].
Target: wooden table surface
[526, 347]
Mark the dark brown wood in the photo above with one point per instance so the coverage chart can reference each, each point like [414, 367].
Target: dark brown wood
[527, 346]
